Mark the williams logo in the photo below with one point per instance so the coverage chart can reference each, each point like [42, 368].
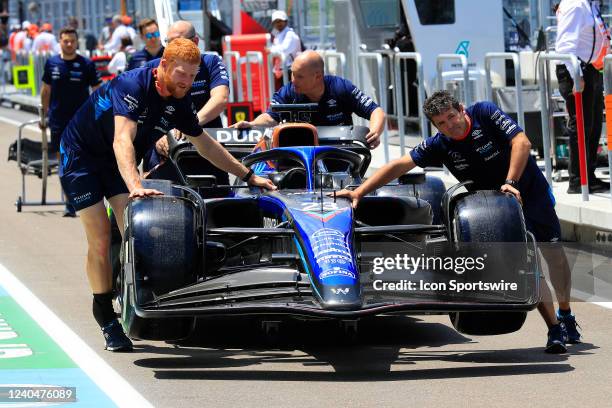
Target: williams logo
[340, 291]
[463, 48]
[169, 110]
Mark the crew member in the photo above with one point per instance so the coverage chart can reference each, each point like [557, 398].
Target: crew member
[482, 144]
[66, 81]
[103, 144]
[337, 98]
[149, 32]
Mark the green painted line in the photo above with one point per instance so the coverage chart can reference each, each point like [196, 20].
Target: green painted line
[45, 353]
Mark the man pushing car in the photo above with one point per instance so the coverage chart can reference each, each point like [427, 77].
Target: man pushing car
[104, 142]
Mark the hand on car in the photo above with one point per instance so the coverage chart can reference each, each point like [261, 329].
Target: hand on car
[507, 188]
[261, 182]
[144, 192]
[243, 124]
[350, 194]
[373, 139]
[161, 146]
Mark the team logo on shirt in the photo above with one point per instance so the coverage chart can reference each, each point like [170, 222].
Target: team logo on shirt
[76, 65]
[169, 110]
[477, 134]
[331, 103]
[504, 123]
[456, 157]
[131, 102]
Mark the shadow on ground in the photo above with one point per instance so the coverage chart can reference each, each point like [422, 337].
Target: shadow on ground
[240, 350]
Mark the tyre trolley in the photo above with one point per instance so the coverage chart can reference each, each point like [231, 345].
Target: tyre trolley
[30, 164]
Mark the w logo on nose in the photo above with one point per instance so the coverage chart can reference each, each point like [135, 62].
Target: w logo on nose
[463, 48]
[340, 291]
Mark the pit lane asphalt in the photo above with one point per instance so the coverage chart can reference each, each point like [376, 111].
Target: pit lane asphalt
[414, 361]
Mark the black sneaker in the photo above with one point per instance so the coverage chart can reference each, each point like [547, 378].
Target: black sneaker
[571, 327]
[598, 186]
[116, 340]
[557, 336]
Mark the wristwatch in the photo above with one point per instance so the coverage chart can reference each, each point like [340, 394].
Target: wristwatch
[248, 176]
[512, 183]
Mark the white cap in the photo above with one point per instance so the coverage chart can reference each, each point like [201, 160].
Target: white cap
[279, 15]
[25, 25]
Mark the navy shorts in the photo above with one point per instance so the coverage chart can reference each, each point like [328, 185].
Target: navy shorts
[87, 180]
[54, 145]
[544, 228]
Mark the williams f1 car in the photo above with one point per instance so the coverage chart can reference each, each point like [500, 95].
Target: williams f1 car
[207, 249]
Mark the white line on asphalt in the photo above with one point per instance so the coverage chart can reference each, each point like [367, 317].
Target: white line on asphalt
[589, 298]
[118, 389]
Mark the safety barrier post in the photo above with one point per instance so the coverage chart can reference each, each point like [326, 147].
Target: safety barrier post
[520, 114]
[271, 81]
[608, 103]
[382, 86]
[258, 57]
[399, 57]
[544, 92]
[340, 61]
[229, 57]
[466, 75]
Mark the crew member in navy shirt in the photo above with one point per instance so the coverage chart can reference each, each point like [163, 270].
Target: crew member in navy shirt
[66, 81]
[337, 98]
[209, 93]
[482, 144]
[103, 144]
[149, 32]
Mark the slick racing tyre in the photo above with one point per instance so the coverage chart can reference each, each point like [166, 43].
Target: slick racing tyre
[163, 255]
[489, 217]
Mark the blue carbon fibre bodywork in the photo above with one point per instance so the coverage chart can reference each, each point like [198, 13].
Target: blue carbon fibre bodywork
[324, 234]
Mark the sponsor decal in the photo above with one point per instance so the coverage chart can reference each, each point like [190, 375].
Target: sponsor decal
[335, 272]
[340, 291]
[131, 102]
[169, 110]
[238, 136]
[456, 157]
[83, 197]
[330, 248]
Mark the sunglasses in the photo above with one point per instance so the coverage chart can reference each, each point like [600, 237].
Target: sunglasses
[149, 36]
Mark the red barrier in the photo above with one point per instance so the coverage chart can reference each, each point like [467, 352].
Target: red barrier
[608, 103]
[580, 134]
[243, 44]
[101, 62]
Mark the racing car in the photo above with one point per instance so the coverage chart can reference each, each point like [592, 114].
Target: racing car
[206, 249]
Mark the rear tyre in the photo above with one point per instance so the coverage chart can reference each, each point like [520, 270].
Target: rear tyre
[488, 216]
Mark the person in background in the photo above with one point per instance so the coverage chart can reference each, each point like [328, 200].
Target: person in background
[106, 33]
[120, 30]
[66, 82]
[149, 32]
[336, 97]
[209, 93]
[286, 42]
[118, 64]
[45, 41]
[581, 31]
